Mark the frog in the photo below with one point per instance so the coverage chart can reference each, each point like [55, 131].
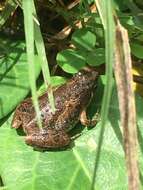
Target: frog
[71, 101]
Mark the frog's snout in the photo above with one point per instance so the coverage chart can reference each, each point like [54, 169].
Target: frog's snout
[16, 122]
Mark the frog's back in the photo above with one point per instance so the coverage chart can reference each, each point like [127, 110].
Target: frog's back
[70, 99]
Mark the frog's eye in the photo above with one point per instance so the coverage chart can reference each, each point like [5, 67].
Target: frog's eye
[23, 109]
[42, 115]
[47, 110]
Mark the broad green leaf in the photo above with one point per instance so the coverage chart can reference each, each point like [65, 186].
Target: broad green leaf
[23, 168]
[70, 60]
[84, 39]
[127, 20]
[137, 50]
[14, 85]
[96, 57]
[119, 5]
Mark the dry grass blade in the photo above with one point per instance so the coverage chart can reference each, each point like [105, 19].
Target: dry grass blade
[124, 78]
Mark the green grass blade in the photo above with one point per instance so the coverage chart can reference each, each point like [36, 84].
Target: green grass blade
[29, 35]
[105, 9]
[43, 59]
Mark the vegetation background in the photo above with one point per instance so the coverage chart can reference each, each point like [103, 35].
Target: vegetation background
[43, 43]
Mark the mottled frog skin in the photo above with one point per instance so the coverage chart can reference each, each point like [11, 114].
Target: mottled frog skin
[71, 99]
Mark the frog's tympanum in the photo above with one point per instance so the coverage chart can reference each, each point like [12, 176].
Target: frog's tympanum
[71, 101]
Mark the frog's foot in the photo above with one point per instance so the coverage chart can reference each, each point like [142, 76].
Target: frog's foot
[48, 138]
[88, 122]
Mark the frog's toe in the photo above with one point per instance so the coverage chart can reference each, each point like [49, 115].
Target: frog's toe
[28, 139]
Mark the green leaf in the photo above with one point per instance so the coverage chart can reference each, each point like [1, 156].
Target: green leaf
[70, 61]
[84, 39]
[137, 50]
[14, 82]
[55, 81]
[96, 57]
[23, 168]
[127, 20]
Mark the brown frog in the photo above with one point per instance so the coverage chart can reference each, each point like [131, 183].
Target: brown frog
[71, 101]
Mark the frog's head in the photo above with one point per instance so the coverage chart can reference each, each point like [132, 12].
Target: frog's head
[22, 114]
[86, 78]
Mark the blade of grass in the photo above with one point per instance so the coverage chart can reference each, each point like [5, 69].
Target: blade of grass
[29, 35]
[42, 56]
[109, 27]
[101, 10]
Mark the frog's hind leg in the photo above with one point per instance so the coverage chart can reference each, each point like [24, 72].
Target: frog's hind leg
[31, 128]
[48, 138]
[88, 122]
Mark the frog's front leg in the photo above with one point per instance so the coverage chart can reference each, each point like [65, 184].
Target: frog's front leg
[48, 138]
[88, 122]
